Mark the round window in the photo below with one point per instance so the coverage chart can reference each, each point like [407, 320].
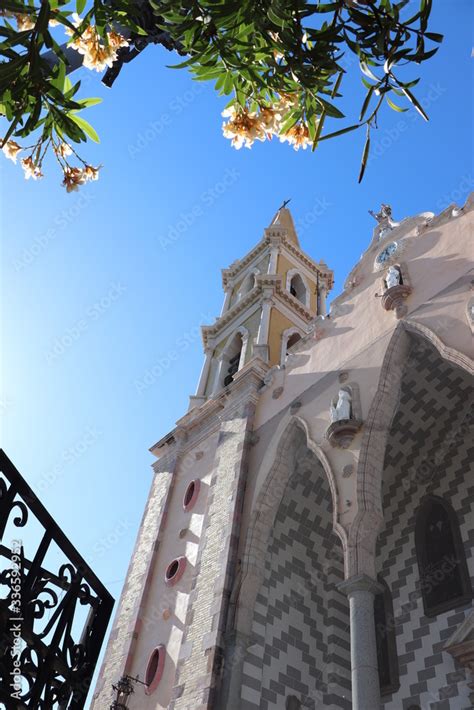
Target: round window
[154, 669]
[191, 494]
[174, 571]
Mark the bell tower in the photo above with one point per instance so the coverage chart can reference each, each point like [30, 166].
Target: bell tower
[169, 635]
[271, 296]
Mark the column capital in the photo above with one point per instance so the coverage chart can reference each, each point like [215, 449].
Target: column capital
[360, 583]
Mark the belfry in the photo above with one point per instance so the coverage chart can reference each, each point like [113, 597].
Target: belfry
[307, 541]
[272, 296]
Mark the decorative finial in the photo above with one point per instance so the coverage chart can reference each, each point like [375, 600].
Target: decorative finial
[285, 202]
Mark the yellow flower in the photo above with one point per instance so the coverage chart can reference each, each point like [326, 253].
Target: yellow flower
[11, 149]
[31, 169]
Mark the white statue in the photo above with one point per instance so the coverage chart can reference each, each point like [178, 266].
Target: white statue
[393, 277]
[342, 410]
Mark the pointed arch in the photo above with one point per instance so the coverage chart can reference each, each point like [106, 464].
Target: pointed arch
[273, 477]
[369, 518]
[292, 462]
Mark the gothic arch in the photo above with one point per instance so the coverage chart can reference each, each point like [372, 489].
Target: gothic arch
[369, 518]
[274, 471]
[280, 480]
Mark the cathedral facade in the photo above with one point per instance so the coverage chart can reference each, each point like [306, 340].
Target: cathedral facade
[308, 540]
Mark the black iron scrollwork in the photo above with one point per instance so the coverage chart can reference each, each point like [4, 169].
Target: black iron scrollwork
[52, 624]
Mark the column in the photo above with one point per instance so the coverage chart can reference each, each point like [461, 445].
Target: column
[272, 265]
[199, 398]
[261, 344]
[361, 591]
[201, 388]
[322, 309]
[225, 305]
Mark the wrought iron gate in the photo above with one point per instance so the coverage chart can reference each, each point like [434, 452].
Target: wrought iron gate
[52, 623]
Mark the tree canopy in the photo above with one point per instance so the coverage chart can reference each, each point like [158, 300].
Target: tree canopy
[283, 66]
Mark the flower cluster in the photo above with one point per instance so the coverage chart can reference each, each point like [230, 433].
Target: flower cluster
[245, 127]
[74, 177]
[97, 54]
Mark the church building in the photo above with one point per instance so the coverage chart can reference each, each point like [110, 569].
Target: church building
[308, 540]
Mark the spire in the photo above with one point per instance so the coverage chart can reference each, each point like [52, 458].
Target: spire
[284, 219]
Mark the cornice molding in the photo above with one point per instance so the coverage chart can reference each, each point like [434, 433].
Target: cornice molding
[202, 421]
[267, 286]
[275, 236]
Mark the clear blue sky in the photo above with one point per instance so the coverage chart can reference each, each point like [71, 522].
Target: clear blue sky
[104, 289]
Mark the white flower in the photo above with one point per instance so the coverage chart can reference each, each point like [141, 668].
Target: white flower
[31, 169]
[11, 150]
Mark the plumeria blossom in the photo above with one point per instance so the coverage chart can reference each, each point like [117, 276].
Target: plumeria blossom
[32, 170]
[63, 149]
[97, 55]
[11, 150]
[75, 177]
[297, 136]
[243, 128]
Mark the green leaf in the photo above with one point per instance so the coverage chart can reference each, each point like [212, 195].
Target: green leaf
[89, 102]
[319, 129]
[365, 155]
[395, 107]
[348, 129]
[86, 127]
[80, 5]
[367, 72]
[366, 103]
[434, 36]
[415, 103]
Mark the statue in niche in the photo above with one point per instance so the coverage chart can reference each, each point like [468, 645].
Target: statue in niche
[342, 409]
[393, 277]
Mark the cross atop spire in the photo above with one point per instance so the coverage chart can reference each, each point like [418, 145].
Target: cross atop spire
[284, 219]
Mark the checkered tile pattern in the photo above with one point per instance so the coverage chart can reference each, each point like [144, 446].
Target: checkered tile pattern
[428, 451]
[300, 638]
